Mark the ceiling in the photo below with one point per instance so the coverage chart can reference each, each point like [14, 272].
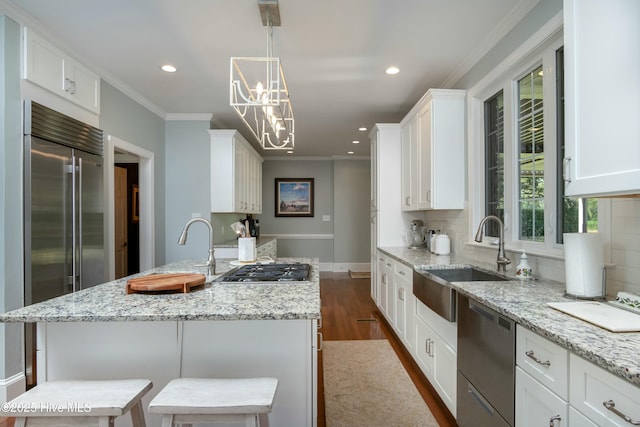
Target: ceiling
[334, 53]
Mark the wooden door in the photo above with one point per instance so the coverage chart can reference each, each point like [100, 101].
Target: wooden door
[121, 229]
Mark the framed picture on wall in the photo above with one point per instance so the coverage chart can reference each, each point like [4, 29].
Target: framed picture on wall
[294, 197]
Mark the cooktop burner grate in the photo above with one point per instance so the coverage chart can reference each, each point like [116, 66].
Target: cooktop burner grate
[267, 273]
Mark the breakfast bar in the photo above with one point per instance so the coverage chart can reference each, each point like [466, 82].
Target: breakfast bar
[218, 330]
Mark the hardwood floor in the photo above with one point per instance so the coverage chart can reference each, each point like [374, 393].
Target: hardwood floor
[349, 313]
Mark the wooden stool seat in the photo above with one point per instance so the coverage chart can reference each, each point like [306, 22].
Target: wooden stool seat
[79, 403]
[202, 400]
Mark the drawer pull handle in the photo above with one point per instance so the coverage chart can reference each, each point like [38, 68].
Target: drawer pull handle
[553, 419]
[531, 355]
[611, 406]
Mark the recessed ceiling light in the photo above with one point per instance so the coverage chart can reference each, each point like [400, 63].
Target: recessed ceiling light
[168, 68]
[392, 70]
[362, 129]
[355, 142]
[349, 152]
[289, 151]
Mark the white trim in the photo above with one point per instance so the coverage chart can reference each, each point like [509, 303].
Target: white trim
[344, 267]
[147, 200]
[12, 387]
[292, 157]
[300, 236]
[487, 86]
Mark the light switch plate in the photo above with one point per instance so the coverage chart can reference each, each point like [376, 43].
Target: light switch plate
[326, 218]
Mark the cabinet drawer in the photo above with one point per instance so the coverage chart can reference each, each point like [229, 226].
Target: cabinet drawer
[447, 330]
[592, 387]
[404, 270]
[576, 419]
[544, 360]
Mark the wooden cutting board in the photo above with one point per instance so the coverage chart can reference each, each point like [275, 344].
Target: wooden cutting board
[165, 282]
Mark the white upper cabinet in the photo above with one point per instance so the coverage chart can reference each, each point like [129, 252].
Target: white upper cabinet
[602, 97]
[52, 69]
[433, 172]
[236, 174]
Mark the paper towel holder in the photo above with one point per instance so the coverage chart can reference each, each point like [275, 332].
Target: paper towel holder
[602, 297]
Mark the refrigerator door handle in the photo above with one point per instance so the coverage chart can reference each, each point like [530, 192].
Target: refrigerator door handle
[79, 230]
[74, 222]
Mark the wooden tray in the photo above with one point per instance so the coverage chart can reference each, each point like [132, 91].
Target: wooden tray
[165, 282]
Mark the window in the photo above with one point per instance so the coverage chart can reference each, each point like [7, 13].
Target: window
[522, 137]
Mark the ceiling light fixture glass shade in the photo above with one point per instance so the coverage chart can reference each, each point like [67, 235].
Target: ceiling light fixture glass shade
[259, 94]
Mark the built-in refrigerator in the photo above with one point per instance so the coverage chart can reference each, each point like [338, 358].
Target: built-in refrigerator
[63, 210]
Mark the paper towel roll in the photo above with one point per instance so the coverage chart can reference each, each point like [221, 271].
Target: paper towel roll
[583, 264]
[246, 249]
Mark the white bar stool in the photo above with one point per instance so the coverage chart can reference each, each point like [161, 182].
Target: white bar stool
[203, 400]
[79, 403]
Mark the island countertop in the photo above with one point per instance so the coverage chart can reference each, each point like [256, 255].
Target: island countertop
[526, 303]
[109, 302]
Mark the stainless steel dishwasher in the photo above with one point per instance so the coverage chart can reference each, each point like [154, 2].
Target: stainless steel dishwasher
[486, 366]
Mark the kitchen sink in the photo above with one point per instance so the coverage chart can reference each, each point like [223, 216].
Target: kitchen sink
[433, 287]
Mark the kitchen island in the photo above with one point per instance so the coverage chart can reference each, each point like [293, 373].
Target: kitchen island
[223, 330]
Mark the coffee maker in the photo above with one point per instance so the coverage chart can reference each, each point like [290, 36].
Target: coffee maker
[415, 235]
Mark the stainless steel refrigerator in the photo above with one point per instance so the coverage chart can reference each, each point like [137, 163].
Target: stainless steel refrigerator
[63, 212]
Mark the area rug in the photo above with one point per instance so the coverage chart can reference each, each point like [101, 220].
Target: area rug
[359, 274]
[365, 385]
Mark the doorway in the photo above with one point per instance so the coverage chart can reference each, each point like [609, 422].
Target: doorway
[127, 218]
[135, 223]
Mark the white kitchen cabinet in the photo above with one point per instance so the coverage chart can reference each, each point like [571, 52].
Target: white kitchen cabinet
[436, 354]
[404, 300]
[385, 279]
[236, 174]
[536, 405]
[602, 97]
[388, 224]
[51, 68]
[433, 174]
[576, 419]
[601, 396]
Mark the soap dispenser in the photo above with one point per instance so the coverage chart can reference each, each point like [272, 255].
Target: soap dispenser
[523, 270]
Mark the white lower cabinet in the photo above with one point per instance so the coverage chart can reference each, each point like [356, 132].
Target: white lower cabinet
[557, 388]
[536, 405]
[435, 353]
[601, 396]
[405, 304]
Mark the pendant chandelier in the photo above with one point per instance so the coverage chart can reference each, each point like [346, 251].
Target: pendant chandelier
[259, 93]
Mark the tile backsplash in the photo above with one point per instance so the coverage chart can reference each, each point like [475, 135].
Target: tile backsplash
[625, 245]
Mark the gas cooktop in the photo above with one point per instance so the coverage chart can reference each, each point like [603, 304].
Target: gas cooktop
[267, 273]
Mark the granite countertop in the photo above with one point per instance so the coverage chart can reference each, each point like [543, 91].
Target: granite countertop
[526, 303]
[233, 243]
[109, 302]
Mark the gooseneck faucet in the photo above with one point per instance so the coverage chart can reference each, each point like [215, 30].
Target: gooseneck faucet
[211, 261]
[502, 260]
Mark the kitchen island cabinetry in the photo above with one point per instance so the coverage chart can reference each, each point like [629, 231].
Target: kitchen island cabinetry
[219, 330]
[51, 68]
[236, 174]
[433, 152]
[602, 97]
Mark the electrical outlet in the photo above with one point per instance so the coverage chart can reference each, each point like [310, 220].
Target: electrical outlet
[196, 215]
[326, 218]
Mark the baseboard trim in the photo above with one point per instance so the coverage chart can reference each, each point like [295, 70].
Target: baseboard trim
[354, 266]
[12, 387]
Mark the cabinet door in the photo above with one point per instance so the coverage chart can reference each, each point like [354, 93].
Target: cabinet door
[44, 63]
[444, 371]
[536, 405]
[424, 348]
[82, 85]
[409, 146]
[424, 154]
[602, 57]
